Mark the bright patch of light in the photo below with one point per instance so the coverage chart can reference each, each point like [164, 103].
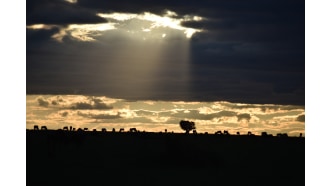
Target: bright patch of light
[164, 35]
[197, 18]
[118, 16]
[72, 1]
[59, 36]
[170, 13]
[189, 32]
[41, 26]
[146, 30]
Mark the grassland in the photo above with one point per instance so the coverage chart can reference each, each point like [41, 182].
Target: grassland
[105, 158]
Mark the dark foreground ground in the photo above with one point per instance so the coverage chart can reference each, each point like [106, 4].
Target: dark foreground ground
[94, 158]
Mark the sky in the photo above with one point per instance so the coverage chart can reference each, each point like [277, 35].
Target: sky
[236, 51]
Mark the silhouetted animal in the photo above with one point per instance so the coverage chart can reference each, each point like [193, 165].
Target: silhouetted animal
[264, 134]
[43, 128]
[104, 129]
[65, 128]
[85, 129]
[121, 130]
[132, 130]
[35, 127]
[218, 132]
[282, 135]
[225, 132]
[94, 130]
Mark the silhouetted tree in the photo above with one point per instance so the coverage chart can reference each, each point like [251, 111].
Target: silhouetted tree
[187, 125]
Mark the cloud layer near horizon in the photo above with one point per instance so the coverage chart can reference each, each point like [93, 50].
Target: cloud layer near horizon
[101, 112]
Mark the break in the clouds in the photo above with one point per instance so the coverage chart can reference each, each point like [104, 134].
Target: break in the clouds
[155, 116]
[235, 51]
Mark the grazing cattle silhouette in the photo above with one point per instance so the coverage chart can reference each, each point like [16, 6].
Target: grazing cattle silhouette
[132, 130]
[94, 130]
[43, 128]
[104, 129]
[282, 135]
[85, 129]
[35, 127]
[218, 132]
[121, 130]
[65, 128]
[225, 132]
[264, 134]
[250, 133]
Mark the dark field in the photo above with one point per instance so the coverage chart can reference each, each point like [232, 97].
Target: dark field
[105, 158]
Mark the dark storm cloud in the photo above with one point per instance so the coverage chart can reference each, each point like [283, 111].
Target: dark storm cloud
[250, 51]
[59, 12]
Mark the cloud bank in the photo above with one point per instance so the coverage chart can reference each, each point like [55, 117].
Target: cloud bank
[154, 116]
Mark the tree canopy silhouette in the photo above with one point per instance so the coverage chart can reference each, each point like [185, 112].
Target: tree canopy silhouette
[187, 125]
